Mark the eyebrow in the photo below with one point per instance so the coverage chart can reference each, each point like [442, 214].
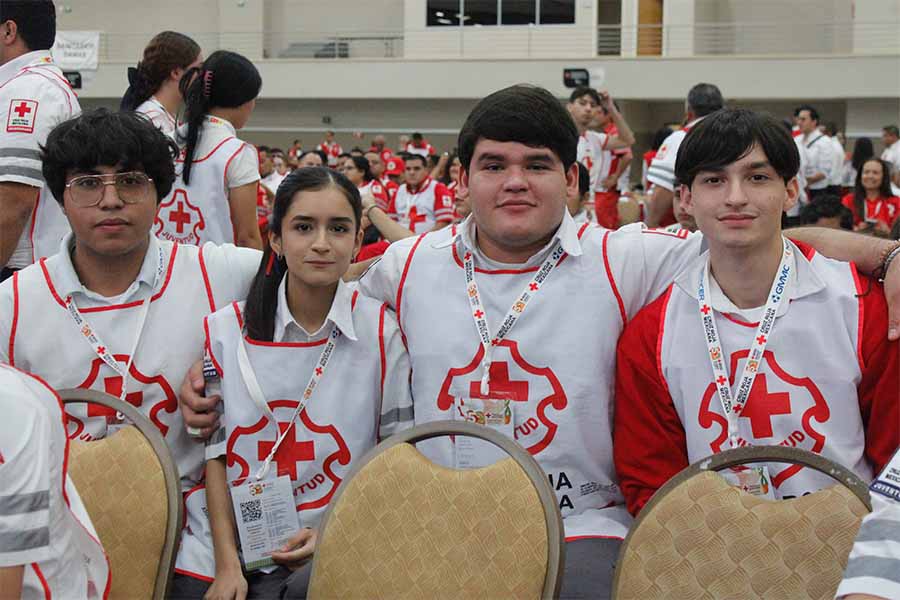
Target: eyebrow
[305, 218]
[542, 156]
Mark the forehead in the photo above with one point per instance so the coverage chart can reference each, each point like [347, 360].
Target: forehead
[326, 203]
[509, 150]
[755, 155]
[103, 169]
[585, 98]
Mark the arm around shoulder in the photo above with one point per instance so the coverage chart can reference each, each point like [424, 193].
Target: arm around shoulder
[396, 394]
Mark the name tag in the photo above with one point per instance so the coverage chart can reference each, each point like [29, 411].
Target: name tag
[887, 484]
[498, 415]
[753, 480]
[266, 518]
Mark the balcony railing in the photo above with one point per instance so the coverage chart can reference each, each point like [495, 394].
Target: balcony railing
[698, 39]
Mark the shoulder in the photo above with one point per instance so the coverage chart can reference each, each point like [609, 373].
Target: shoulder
[645, 329]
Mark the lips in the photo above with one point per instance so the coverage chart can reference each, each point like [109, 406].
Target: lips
[736, 217]
[112, 223]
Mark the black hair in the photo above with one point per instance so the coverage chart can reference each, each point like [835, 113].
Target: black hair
[728, 135]
[831, 129]
[263, 149]
[583, 90]
[895, 232]
[262, 299]
[424, 159]
[660, 136]
[813, 113]
[417, 136]
[35, 21]
[275, 151]
[704, 99]
[224, 80]
[167, 51]
[525, 114]
[892, 130]
[859, 192]
[584, 179]
[100, 137]
[827, 206]
[343, 155]
[322, 155]
[863, 150]
[362, 163]
[445, 174]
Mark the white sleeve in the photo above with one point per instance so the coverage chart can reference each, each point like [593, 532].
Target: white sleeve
[382, 280]
[6, 317]
[396, 395]
[229, 271]
[25, 467]
[47, 106]
[243, 168]
[662, 169]
[874, 564]
[644, 262]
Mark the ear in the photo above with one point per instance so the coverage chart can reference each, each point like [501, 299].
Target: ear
[357, 246]
[176, 74]
[463, 180]
[572, 180]
[792, 189]
[9, 32]
[687, 200]
[275, 242]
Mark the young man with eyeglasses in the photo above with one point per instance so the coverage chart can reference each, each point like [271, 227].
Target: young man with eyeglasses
[116, 309]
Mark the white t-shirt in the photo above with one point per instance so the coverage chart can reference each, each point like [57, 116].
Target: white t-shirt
[837, 163]
[591, 149]
[158, 115]
[820, 155]
[662, 169]
[43, 524]
[892, 155]
[34, 98]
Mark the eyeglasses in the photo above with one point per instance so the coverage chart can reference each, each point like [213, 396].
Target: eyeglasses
[87, 190]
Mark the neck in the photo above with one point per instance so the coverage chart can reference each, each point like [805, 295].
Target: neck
[309, 305]
[108, 275]
[872, 194]
[502, 253]
[168, 96]
[746, 278]
[224, 113]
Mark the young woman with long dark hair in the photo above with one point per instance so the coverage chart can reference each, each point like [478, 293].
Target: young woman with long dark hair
[874, 206]
[214, 196]
[329, 368]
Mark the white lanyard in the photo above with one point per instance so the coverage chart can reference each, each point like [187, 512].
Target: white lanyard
[101, 349]
[515, 311]
[257, 396]
[733, 404]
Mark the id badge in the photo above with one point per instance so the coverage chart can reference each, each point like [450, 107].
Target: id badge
[753, 480]
[266, 517]
[497, 414]
[888, 481]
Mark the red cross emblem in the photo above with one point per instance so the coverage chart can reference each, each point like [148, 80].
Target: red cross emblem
[762, 406]
[415, 218]
[101, 349]
[705, 309]
[289, 453]
[721, 380]
[22, 109]
[533, 287]
[319, 371]
[113, 387]
[180, 217]
[478, 314]
[501, 387]
[467, 256]
[761, 339]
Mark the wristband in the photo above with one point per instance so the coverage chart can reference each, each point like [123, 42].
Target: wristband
[889, 257]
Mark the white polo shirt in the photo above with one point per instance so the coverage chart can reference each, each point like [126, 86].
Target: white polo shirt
[820, 158]
[34, 98]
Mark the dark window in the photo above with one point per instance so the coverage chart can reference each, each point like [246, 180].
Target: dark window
[479, 12]
[443, 13]
[557, 12]
[517, 12]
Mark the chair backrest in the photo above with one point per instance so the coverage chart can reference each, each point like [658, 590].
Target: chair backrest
[130, 487]
[701, 538]
[401, 526]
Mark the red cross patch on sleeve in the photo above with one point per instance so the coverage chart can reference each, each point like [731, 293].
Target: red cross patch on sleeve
[22, 115]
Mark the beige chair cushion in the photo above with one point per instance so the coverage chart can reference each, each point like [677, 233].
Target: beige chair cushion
[407, 528]
[709, 540]
[121, 483]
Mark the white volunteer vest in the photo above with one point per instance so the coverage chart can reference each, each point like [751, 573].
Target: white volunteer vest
[199, 213]
[47, 343]
[416, 211]
[339, 425]
[805, 392]
[557, 365]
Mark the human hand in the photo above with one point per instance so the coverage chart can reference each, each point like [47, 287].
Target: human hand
[228, 585]
[297, 549]
[196, 410]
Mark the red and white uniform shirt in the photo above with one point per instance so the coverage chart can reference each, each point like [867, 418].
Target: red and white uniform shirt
[390, 187]
[34, 98]
[379, 192]
[591, 147]
[158, 115]
[561, 401]
[662, 169]
[827, 382]
[611, 160]
[44, 525]
[425, 149]
[420, 209]
[200, 212]
[384, 153]
[332, 150]
[363, 396]
[884, 210]
[38, 335]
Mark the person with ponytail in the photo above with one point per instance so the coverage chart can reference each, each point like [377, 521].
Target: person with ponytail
[153, 85]
[302, 337]
[214, 196]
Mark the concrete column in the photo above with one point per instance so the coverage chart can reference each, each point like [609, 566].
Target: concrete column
[678, 28]
[629, 27]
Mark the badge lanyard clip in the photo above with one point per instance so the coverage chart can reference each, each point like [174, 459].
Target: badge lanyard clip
[512, 316]
[733, 403]
[256, 393]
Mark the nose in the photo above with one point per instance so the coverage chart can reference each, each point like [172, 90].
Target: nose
[320, 242]
[110, 196]
[736, 196]
[515, 179]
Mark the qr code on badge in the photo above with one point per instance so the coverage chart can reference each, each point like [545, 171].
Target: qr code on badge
[251, 511]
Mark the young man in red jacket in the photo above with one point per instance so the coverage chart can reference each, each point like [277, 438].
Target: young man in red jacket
[761, 341]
